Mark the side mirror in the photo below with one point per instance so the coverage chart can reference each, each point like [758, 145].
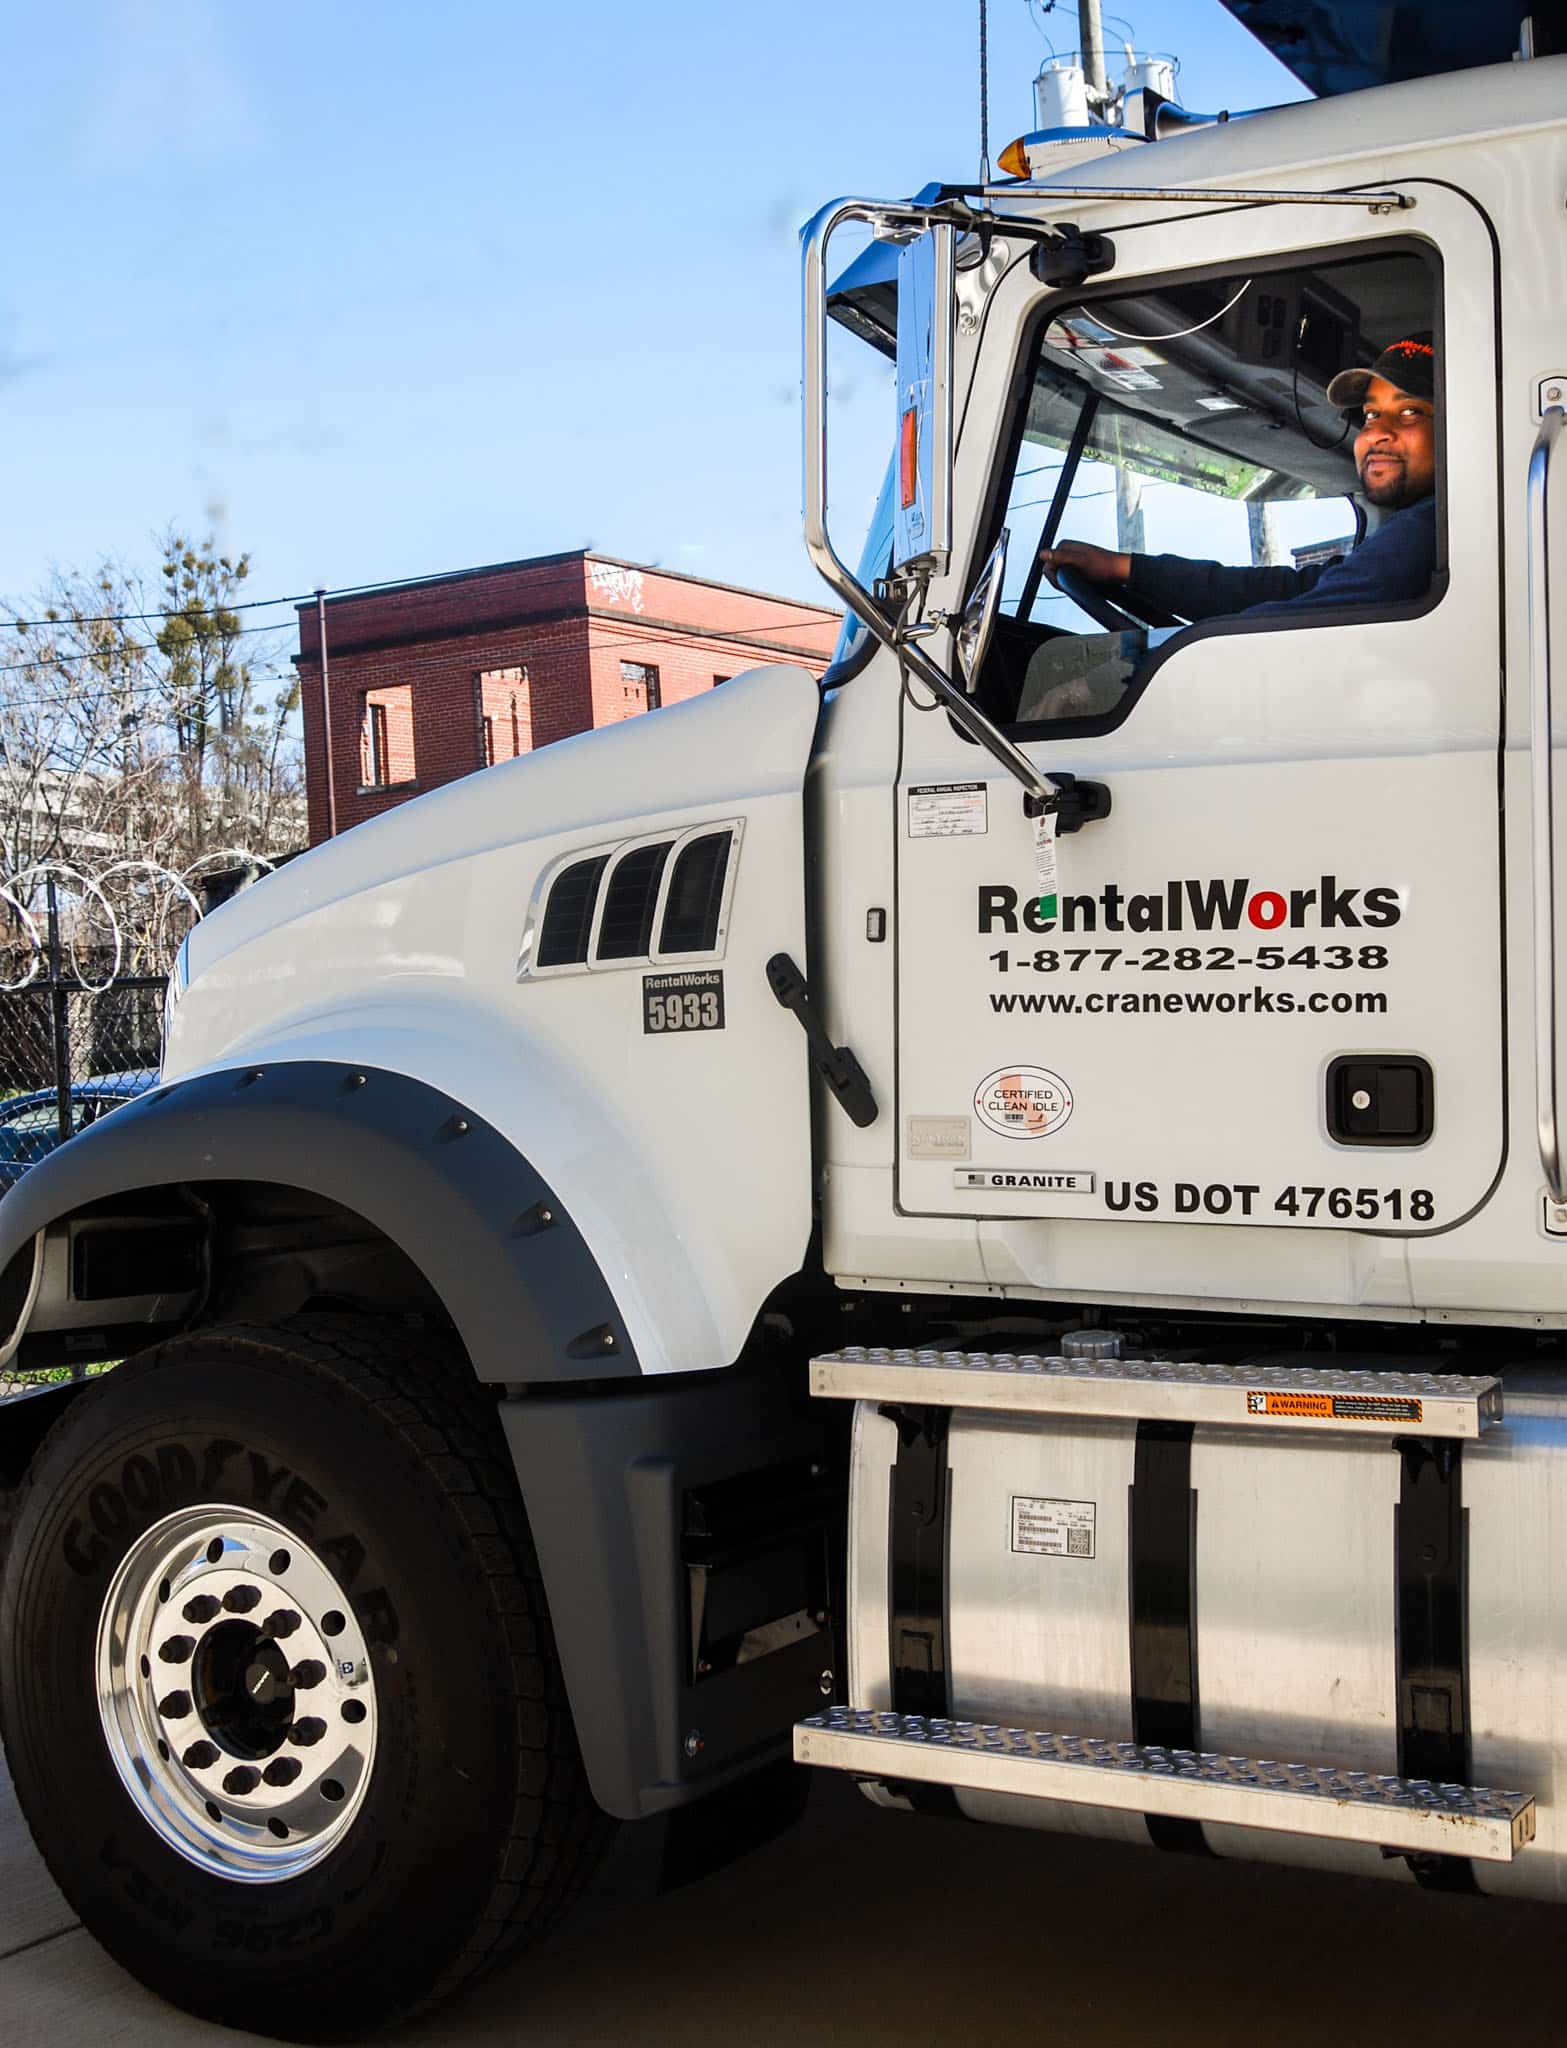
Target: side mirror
[979, 614]
[922, 506]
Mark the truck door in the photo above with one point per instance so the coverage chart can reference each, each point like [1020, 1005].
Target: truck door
[1270, 991]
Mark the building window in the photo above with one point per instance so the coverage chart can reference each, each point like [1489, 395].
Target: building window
[386, 738]
[375, 768]
[505, 714]
[641, 676]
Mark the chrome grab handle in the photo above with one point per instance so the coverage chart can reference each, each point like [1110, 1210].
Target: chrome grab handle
[1543, 805]
[818, 541]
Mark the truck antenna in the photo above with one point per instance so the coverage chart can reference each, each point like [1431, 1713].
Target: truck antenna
[984, 92]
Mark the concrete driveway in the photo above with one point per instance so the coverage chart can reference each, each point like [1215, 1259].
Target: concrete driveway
[868, 1928]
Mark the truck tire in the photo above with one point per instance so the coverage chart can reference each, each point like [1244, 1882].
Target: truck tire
[327, 1771]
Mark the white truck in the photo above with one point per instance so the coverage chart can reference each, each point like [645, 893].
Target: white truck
[998, 1225]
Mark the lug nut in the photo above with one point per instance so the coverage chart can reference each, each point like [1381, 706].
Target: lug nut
[241, 1781]
[201, 1609]
[174, 1706]
[201, 1756]
[242, 1599]
[178, 1650]
[281, 1625]
[282, 1770]
[306, 1732]
[307, 1674]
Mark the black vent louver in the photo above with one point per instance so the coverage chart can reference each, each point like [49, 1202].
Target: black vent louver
[568, 916]
[696, 895]
[626, 930]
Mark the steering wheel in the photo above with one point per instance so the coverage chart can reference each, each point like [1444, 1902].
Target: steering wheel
[1089, 597]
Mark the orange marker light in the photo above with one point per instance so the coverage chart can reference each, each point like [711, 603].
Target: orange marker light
[1014, 159]
[908, 457]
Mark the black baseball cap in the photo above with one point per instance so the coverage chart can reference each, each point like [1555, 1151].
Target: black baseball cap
[1408, 365]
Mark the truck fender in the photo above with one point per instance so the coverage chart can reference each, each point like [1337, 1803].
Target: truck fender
[479, 1222]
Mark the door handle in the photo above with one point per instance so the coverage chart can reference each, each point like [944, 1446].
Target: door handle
[1076, 803]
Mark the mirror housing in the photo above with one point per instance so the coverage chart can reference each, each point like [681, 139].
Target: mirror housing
[922, 502]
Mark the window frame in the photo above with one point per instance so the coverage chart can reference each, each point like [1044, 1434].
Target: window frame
[367, 726]
[1015, 418]
[651, 680]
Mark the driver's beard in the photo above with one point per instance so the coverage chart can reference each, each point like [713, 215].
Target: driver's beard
[1394, 495]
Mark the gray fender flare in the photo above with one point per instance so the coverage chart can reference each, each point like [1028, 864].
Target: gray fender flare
[526, 1295]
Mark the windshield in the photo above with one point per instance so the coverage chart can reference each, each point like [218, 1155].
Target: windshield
[875, 561]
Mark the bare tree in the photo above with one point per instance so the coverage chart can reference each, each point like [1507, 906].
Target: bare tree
[139, 725]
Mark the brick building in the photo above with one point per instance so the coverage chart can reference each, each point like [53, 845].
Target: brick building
[434, 679]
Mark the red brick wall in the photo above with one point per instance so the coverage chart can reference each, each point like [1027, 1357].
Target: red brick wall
[536, 647]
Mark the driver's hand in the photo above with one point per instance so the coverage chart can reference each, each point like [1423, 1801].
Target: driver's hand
[1073, 699]
[1099, 565]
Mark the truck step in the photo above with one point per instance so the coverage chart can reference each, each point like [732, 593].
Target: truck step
[1405, 1815]
[1295, 1397]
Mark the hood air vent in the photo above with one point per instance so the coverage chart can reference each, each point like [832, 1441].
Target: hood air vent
[696, 895]
[626, 932]
[638, 902]
[568, 916]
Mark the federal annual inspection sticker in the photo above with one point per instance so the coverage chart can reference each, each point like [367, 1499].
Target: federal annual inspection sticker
[1335, 1407]
[1053, 1528]
[948, 810]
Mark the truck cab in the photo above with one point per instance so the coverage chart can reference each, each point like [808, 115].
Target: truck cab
[995, 1225]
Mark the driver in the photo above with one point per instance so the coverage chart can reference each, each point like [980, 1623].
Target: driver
[1395, 456]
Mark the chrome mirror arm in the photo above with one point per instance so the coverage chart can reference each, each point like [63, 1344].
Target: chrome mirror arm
[835, 572]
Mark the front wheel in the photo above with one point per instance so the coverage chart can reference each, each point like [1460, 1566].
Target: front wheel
[280, 1697]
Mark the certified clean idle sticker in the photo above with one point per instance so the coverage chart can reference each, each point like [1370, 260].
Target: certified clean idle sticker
[1023, 1102]
[947, 810]
[1053, 1528]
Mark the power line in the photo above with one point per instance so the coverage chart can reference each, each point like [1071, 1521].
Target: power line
[249, 604]
[129, 647]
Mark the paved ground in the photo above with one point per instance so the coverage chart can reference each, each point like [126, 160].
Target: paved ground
[870, 1928]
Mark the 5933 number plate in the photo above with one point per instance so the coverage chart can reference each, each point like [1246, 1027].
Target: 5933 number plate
[692, 1001]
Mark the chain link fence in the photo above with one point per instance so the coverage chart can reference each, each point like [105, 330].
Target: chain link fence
[84, 968]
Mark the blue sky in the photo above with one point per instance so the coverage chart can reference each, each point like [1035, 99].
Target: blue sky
[385, 290]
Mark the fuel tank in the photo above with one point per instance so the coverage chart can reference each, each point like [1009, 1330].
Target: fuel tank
[1389, 1605]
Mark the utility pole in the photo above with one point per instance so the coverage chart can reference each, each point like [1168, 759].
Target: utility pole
[1091, 35]
[1266, 553]
[326, 717]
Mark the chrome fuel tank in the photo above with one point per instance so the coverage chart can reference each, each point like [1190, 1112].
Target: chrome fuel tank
[1271, 1576]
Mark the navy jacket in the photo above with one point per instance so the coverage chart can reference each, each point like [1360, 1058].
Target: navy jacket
[1391, 566]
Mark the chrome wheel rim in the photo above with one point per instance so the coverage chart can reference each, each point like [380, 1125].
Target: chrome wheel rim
[235, 1693]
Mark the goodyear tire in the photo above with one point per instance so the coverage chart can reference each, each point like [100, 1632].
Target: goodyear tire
[279, 1693]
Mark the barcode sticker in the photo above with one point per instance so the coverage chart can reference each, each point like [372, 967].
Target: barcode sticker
[1052, 1528]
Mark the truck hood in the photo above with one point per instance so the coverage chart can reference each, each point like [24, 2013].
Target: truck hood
[742, 739]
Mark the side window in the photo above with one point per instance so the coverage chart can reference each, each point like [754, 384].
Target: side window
[1179, 454]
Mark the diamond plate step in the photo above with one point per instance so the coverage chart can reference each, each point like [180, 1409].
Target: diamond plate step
[1404, 1814]
[1280, 1398]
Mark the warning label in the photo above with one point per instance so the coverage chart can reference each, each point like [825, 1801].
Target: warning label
[1336, 1407]
[1053, 1528]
